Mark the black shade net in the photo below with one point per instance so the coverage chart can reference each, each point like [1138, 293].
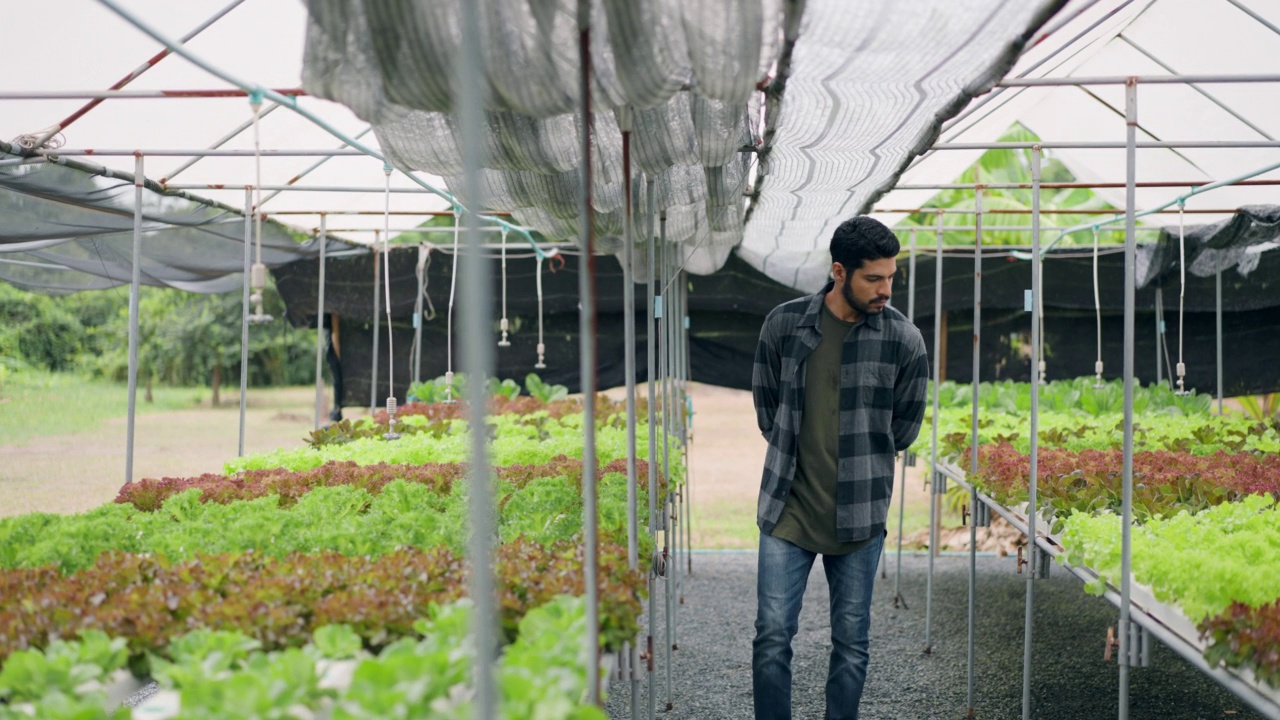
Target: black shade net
[727, 308]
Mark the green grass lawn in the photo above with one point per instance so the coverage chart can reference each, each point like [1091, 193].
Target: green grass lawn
[36, 403]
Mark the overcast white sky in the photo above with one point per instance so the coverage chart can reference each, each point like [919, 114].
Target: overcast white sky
[82, 45]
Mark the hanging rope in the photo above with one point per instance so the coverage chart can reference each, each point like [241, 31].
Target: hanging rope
[503, 323]
[1097, 307]
[453, 289]
[542, 348]
[1182, 294]
[429, 313]
[391, 433]
[419, 273]
[258, 273]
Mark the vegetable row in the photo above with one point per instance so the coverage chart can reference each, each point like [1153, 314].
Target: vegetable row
[1205, 490]
[221, 674]
[354, 532]
[528, 439]
[149, 600]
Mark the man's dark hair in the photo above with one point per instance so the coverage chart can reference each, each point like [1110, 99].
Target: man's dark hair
[862, 238]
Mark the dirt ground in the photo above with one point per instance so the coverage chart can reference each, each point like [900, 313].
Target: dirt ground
[75, 472]
[726, 455]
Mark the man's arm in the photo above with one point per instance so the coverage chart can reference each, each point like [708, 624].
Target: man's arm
[909, 395]
[764, 376]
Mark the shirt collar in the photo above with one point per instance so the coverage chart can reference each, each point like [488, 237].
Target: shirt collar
[813, 314]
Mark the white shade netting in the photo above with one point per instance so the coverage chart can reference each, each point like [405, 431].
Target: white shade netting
[863, 91]
[871, 83]
[686, 74]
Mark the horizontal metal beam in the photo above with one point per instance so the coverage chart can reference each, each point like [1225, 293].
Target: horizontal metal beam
[204, 152]
[513, 249]
[1140, 79]
[434, 213]
[1070, 185]
[420, 230]
[136, 94]
[1099, 145]
[375, 189]
[1017, 228]
[1028, 211]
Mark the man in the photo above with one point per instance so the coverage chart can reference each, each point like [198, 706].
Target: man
[839, 387]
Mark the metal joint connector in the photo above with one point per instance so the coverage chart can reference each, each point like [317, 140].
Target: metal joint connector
[982, 515]
[1139, 646]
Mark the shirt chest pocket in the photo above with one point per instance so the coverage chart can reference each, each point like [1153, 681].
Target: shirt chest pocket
[875, 387]
[876, 377]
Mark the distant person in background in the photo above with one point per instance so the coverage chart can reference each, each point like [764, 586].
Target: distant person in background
[839, 388]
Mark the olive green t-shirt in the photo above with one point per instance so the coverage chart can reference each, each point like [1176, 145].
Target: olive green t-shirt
[809, 516]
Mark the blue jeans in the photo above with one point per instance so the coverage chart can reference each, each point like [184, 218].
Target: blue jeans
[782, 575]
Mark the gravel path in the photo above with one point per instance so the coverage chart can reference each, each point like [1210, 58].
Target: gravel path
[1070, 681]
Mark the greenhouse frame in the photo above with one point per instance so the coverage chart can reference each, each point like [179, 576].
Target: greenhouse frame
[726, 137]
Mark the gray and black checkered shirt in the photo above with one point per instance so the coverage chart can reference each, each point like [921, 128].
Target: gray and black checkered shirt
[883, 380]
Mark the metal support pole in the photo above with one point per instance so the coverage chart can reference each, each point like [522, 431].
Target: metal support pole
[477, 357]
[587, 346]
[249, 213]
[135, 290]
[419, 276]
[1159, 307]
[933, 466]
[686, 372]
[1130, 251]
[651, 351]
[1217, 310]
[973, 443]
[902, 494]
[324, 244]
[629, 365]
[664, 370]
[675, 414]
[377, 322]
[1037, 312]
[678, 417]
[686, 497]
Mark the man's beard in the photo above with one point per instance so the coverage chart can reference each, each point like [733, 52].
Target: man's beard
[846, 290]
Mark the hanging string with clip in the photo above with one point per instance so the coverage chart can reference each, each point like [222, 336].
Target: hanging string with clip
[424, 262]
[1097, 307]
[453, 289]
[503, 325]
[542, 348]
[1182, 294]
[391, 433]
[257, 273]
[1039, 300]
[420, 276]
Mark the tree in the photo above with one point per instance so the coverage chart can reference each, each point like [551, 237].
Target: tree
[191, 339]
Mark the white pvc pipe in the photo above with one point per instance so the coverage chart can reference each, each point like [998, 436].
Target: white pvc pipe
[324, 242]
[134, 296]
[477, 356]
[1126, 515]
[587, 348]
[244, 319]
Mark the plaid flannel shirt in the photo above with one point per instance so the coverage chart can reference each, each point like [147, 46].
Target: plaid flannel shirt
[883, 379]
